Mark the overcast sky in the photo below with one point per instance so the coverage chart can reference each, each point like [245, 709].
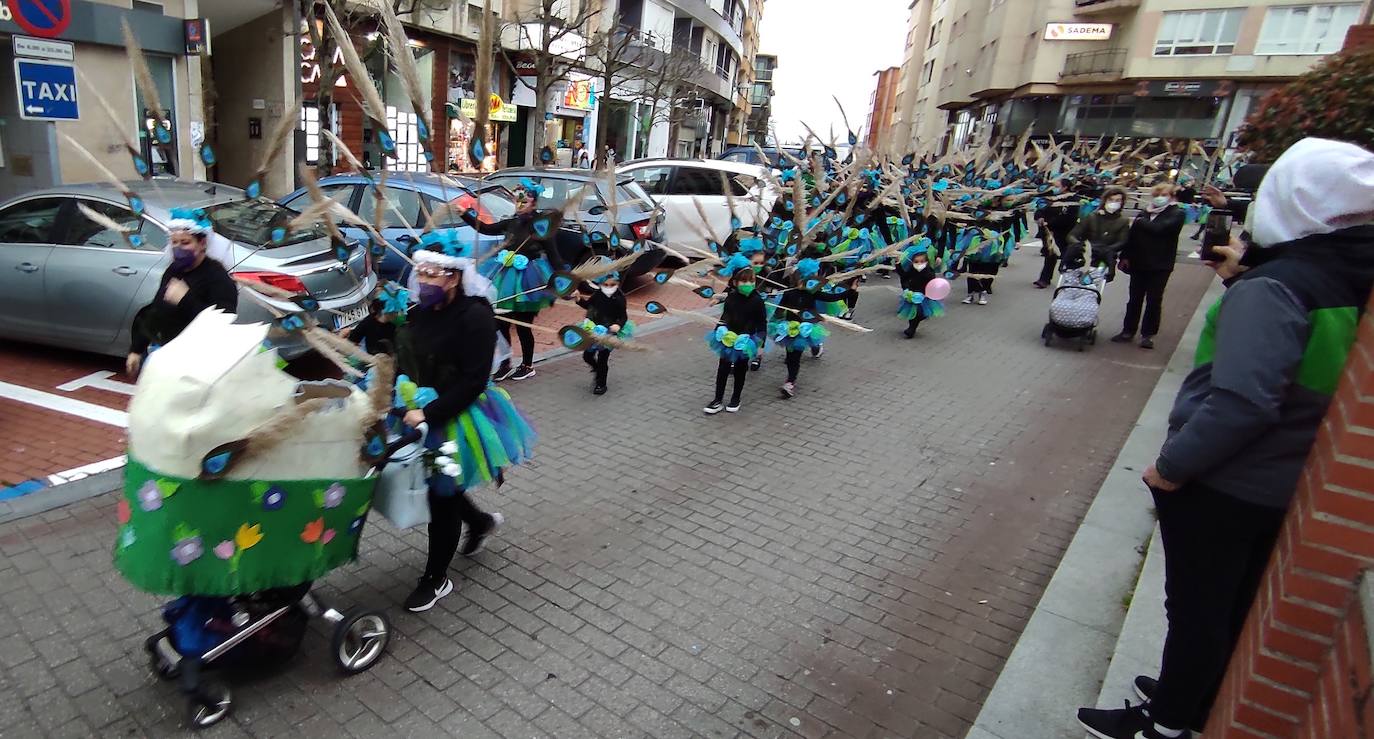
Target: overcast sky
[829, 47]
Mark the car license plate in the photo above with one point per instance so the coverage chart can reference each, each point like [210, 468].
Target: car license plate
[350, 316]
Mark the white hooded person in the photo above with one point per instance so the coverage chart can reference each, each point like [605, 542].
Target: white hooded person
[194, 280]
[1267, 364]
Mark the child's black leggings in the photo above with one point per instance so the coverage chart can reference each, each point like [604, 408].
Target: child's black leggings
[525, 334]
[740, 369]
[599, 359]
[793, 364]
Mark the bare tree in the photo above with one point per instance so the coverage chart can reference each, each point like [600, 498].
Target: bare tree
[621, 58]
[667, 82]
[550, 32]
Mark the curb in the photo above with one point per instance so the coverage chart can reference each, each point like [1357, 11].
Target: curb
[1060, 659]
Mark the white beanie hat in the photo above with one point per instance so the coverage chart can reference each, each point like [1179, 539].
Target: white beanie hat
[1317, 186]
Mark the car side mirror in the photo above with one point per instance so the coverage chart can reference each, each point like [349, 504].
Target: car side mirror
[597, 210]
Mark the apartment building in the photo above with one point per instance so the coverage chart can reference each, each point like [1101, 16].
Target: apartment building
[883, 106]
[1167, 68]
[761, 100]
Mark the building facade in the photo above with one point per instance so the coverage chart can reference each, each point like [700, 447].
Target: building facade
[1154, 68]
[761, 101]
[883, 107]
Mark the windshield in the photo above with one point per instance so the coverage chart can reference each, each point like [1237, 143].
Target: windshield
[252, 222]
[492, 204]
[631, 191]
[557, 191]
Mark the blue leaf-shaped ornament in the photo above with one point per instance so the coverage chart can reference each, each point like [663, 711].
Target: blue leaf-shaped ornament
[207, 155]
[654, 308]
[163, 135]
[571, 337]
[136, 205]
[136, 240]
[477, 150]
[388, 143]
[735, 223]
[541, 226]
[662, 277]
[562, 283]
[254, 188]
[706, 291]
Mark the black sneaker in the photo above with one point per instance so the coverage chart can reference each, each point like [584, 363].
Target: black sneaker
[477, 539]
[755, 365]
[599, 389]
[427, 593]
[909, 333]
[1145, 687]
[1131, 722]
[523, 372]
[713, 408]
[503, 372]
[733, 407]
[1122, 338]
[1147, 342]
[789, 390]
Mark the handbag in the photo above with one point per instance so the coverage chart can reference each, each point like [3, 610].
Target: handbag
[402, 495]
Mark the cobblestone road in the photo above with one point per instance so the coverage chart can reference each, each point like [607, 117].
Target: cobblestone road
[855, 562]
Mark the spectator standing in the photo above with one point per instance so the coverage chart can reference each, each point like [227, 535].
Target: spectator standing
[1151, 248]
[1268, 362]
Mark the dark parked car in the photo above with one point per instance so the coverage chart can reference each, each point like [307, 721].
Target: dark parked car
[411, 197]
[639, 220]
[772, 156]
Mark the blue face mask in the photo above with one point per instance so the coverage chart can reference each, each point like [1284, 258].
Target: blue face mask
[182, 259]
[431, 296]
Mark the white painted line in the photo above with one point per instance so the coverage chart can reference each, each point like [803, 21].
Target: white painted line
[86, 470]
[88, 411]
[100, 381]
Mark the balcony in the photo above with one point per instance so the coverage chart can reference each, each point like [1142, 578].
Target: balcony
[1089, 8]
[1102, 65]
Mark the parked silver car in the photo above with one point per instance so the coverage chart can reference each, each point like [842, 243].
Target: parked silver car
[67, 281]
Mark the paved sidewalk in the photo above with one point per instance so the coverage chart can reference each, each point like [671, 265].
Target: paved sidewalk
[857, 561]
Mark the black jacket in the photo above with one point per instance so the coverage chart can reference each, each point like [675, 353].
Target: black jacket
[1061, 220]
[520, 235]
[745, 315]
[802, 302]
[1152, 243]
[916, 280]
[374, 335]
[158, 322]
[604, 311]
[449, 349]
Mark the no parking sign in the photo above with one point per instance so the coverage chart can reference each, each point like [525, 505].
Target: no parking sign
[45, 18]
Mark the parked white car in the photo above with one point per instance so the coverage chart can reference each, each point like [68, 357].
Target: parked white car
[678, 184]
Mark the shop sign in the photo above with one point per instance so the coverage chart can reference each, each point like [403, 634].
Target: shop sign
[1078, 31]
[579, 95]
[310, 64]
[501, 111]
[1185, 88]
[197, 36]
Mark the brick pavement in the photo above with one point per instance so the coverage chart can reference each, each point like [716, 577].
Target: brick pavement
[855, 562]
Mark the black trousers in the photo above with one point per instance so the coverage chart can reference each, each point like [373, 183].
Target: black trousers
[525, 334]
[1047, 271]
[982, 268]
[915, 323]
[1147, 289]
[599, 359]
[726, 368]
[447, 514]
[1215, 550]
[793, 364]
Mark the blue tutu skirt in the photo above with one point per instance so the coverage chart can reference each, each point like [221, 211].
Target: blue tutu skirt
[796, 336]
[513, 274]
[490, 434]
[732, 346]
[626, 332]
[912, 304]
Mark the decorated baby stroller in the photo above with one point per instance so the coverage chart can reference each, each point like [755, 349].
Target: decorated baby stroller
[1075, 306]
[242, 487]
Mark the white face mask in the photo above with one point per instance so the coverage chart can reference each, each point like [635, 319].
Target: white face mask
[609, 291]
[1160, 201]
[1112, 206]
[922, 266]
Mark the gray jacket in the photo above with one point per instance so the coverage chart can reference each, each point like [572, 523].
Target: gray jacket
[1270, 356]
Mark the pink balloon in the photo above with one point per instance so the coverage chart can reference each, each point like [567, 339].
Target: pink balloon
[938, 289]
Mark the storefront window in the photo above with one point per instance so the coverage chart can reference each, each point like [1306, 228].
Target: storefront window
[311, 126]
[161, 155]
[459, 136]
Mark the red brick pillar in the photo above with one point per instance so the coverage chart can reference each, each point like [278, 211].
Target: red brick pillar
[1302, 667]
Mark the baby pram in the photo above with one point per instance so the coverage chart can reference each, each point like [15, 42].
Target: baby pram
[242, 486]
[1075, 306]
[263, 629]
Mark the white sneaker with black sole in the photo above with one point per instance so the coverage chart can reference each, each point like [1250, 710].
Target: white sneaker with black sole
[426, 594]
[713, 408]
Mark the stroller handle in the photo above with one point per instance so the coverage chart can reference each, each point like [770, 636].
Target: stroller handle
[410, 436]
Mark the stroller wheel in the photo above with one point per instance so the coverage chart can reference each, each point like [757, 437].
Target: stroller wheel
[208, 705]
[359, 640]
[156, 661]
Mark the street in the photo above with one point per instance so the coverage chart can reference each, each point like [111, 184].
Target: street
[857, 561]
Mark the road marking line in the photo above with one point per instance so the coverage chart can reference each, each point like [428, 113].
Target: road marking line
[100, 381]
[86, 470]
[70, 406]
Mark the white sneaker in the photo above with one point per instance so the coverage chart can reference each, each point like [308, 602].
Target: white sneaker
[982, 298]
[968, 300]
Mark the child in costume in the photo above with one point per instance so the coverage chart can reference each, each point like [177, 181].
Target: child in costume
[737, 338]
[606, 316]
[916, 269]
[445, 351]
[796, 326]
[521, 270]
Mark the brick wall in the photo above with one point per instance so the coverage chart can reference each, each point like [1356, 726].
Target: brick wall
[1302, 666]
